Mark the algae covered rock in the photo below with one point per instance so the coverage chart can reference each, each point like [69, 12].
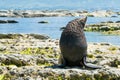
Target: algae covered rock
[38, 36]
[24, 57]
[14, 36]
[37, 72]
[107, 28]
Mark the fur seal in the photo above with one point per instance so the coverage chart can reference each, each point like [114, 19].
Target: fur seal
[73, 45]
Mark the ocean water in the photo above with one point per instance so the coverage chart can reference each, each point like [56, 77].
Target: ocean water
[52, 29]
[60, 4]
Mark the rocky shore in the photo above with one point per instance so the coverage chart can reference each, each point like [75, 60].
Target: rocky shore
[107, 28]
[30, 57]
[57, 13]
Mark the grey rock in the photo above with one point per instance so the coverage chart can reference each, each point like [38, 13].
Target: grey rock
[2, 21]
[69, 73]
[43, 22]
[8, 21]
[12, 21]
[117, 21]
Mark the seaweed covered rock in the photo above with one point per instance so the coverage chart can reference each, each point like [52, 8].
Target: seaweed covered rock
[107, 28]
[38, 36]
[25, 57]
[14, 36]
[37, 72]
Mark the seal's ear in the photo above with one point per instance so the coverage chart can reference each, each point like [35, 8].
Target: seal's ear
[83, 21]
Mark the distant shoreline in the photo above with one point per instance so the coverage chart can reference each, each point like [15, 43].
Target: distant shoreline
[58, 13]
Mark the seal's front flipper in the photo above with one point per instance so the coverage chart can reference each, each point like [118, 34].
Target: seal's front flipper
[62, 62]
[88, 65]
[61, 66]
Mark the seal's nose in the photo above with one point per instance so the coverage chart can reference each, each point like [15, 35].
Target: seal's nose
[83, 20]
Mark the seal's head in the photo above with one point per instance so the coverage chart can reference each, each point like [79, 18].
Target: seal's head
[76, 24]
[82, 22]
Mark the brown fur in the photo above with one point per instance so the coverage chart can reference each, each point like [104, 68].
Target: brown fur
[73, 44]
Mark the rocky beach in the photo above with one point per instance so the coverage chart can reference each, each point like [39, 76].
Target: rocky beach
[30, 31]
[107, 28]
[31, 57]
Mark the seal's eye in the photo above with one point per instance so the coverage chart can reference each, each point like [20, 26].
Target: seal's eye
[81, 24]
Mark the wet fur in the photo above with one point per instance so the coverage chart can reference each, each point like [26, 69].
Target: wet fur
[73, 45]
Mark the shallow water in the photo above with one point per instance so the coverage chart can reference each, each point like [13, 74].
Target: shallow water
[52, 29]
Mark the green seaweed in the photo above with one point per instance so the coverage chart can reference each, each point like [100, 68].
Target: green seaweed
[48, 51]
[2, 77]
[56, 77]
[6, 77]
[116, 32]
[112, 48]
[5, 36]
[115, 63]
[98, 76]
[98, 51]
[14, 62]
[90, 55]
[44, 63]
[14, 36]
[9, 36]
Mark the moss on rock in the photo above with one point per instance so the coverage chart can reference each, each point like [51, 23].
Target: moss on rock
[116, 32]
[112, 48]
[6, 76]
[38, 36]
[109, 28]
[14, 36]
[47, 50]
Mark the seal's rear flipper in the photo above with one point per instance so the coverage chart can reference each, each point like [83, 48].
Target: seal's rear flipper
[92, 66]
[88, 65]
